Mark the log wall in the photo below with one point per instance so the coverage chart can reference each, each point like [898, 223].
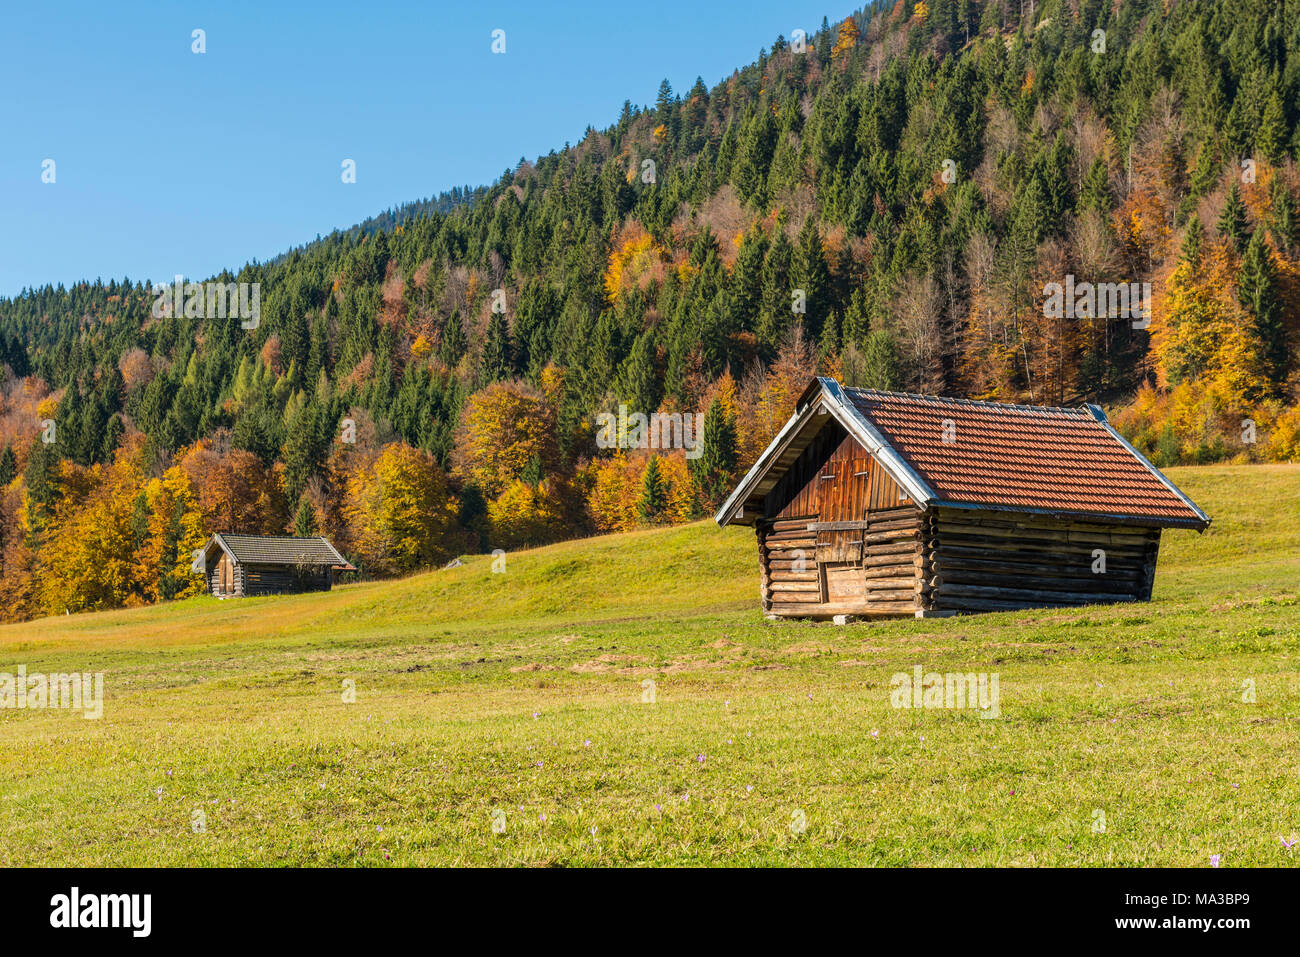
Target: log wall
[878, 575]
[270, 580]
[282, 579]
[237, 580]
[993, 561]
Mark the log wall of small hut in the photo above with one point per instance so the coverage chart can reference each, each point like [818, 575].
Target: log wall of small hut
[280, 579]
[839, 537]
[233, 573]
[997, 561]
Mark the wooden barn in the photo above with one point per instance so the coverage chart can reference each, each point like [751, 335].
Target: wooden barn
[241, 565]
[880, 504]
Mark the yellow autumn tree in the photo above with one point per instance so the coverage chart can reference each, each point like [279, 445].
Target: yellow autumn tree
[1283, 441]
[175, 530]
[401, 515]
[525, 515]
[615, 486]
[618, 489]
[769, 400]
[634, 257]
[680, 491]
[848, 36]
[89, 546]
[1200, 332]
[506, 432]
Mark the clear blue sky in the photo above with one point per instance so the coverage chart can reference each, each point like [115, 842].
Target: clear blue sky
[168, 162]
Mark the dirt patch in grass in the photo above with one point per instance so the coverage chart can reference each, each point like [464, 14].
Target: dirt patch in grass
[604, 664]
[807, 649]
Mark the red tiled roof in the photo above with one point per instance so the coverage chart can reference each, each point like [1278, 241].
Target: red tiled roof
[1012, 456]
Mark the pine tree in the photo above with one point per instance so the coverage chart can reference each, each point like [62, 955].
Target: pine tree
[637, 383]
[1258, 294]
[1191, 250]
[304, 523]
[829, 346]
[8, 466]
[717, 461]
[1281, 220]
[881, 367]
[1095, 193]
[775, 317]
[1232, 221]
[42, 479]
[747, 279]
[813, 276]
[1270, 136]
[495, 363]
[654, 493]
[112, 435]
[857, 319]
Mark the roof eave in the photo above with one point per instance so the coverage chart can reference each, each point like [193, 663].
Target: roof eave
[1118, 518]
[729, 509]
[1100, 415]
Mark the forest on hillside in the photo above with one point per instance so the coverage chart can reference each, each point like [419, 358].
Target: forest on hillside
[885, 200]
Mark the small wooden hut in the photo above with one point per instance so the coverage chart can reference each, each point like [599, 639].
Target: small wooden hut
[884, 504]
[241, 565]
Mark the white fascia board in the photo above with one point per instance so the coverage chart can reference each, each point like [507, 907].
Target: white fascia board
[727, 511]
[870, 438]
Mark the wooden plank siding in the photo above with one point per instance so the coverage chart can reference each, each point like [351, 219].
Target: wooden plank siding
[226, 579]
[997, 561]
[282, 579]
[839, 536]
[247, 579]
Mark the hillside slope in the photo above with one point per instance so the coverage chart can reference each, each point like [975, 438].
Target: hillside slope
[524, 692]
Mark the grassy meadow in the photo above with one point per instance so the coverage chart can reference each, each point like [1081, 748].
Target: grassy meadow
[506, 718]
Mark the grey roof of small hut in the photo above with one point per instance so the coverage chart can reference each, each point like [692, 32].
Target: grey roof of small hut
[279, 550]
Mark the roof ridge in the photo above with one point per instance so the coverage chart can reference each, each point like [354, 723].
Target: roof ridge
[978, 403]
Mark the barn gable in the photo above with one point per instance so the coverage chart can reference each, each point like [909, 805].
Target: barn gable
[824, 425]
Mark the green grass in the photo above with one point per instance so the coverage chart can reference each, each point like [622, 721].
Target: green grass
[522, 691]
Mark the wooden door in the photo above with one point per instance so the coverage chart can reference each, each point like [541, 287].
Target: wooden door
[843, 492]
[226, 575]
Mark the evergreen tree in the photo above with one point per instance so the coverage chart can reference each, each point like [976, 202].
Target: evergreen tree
[1258, 294]
[1095, 193]
[776, 316]
[813, 276]
[495, 363]
[654, 493]
[714, 468]
[304, 522]
[1191, 249]
[881, 366]
[638, 383]
[8, 466]
[1270, 135]
[42, 479]
[1232, 221]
